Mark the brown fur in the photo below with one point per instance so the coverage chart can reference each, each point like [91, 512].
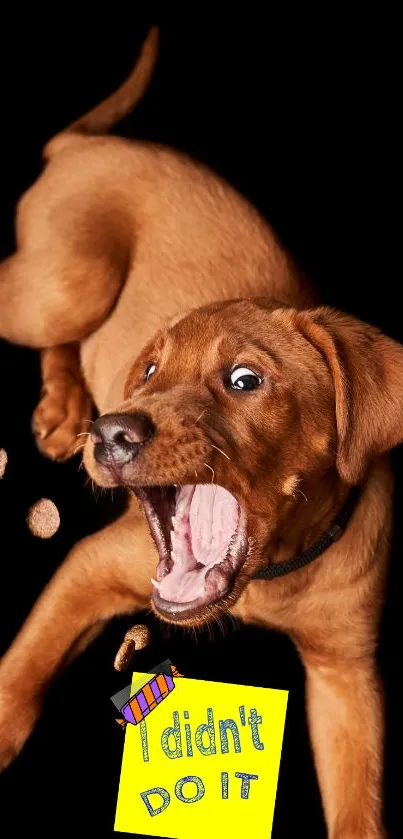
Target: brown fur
[116, 241]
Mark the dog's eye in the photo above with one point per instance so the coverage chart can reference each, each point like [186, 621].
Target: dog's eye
[150, 369]
[244, 379]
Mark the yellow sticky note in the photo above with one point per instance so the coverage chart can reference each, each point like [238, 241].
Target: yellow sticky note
[206, 758]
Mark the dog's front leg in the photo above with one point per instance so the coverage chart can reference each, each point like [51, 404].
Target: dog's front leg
[62, 420]
[345, 716]
[104, 575]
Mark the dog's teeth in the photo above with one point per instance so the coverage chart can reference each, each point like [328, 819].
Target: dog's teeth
[175, 521]
[154, 582]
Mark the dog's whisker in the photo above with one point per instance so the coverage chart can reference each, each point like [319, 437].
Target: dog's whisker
[212, 471]
[234, 622]
[220, 625]
[224, 628]
[78, 448]
[83, 434]
[301, 493]
[220, 450]
[199, 417]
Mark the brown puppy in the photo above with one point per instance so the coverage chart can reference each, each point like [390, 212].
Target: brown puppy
[247, 420]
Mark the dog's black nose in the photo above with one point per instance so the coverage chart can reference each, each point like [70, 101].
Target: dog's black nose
[119, 437]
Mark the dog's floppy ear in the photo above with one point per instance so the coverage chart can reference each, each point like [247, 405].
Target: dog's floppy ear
[367, 371]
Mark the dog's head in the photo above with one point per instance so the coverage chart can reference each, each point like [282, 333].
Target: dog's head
[230, 417]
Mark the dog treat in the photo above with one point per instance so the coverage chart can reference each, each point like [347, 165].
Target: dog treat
[3, 462]
[137, 638]
[43, 519]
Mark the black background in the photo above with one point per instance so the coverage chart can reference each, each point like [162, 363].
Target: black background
[301, 114]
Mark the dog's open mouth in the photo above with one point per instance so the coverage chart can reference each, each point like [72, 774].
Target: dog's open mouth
[200, 533]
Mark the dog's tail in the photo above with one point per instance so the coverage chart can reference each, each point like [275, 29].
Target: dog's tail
[105, 115]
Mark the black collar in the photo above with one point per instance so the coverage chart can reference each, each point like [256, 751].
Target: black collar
[270, 572]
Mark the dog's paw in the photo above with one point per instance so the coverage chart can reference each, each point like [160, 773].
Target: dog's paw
[17, 719]
[61, 419]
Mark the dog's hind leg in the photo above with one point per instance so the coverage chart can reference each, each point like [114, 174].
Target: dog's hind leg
[71, 233]
[71, 262]
[63, 415]
[73, 250]
[51, 296]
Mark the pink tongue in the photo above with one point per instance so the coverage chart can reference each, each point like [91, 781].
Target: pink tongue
[213, 520]
[206, 518]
